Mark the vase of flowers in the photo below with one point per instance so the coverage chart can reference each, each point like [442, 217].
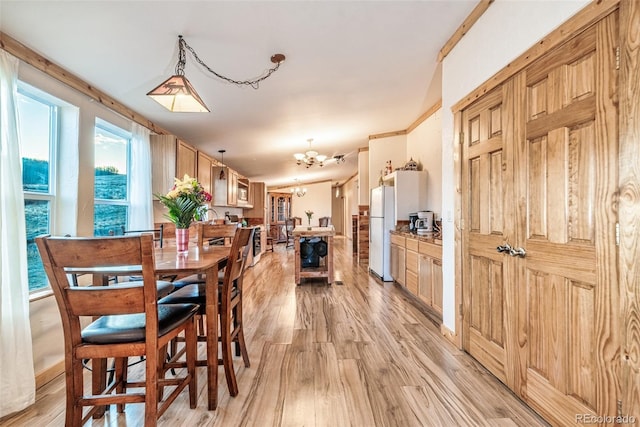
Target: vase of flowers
[185, 202]
[309, 215]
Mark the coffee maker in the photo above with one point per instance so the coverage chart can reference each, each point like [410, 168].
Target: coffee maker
[424, 223]
[413, 218]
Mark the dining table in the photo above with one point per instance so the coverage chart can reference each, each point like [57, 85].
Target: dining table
[207, 260]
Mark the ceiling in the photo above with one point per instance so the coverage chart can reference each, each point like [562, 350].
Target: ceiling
[353, 68]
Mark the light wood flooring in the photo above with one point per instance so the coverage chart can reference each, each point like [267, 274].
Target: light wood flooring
[364, 353]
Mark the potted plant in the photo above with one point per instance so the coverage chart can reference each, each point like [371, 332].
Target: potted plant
[185, 202]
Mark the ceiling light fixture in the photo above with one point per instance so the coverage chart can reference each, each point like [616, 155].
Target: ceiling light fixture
[311, 157]
[222, 176]
[298, 191]
[176, 93]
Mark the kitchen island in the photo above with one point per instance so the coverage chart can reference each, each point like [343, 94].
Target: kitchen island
[313, 247]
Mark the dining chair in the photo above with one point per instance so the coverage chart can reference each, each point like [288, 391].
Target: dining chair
[158, 233]
[127, 322]
[230, 307]
[324, 221]
[290, 224]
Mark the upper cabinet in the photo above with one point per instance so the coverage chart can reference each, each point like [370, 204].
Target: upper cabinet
[170, 159]
[257, 199]
[187, 161]
[244, 193]
[410, 193]
[225, 186]
[205, 163]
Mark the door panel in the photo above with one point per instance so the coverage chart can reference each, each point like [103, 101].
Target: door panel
[564, 174]
[539, 172]
[486, 170]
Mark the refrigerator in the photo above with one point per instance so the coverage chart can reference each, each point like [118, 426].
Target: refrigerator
[381, 221]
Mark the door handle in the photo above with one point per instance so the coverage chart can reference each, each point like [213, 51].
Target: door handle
[520, 252]
[504, 248]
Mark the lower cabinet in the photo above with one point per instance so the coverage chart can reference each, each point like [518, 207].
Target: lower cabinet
[430, 275]
[397, 260]
[417, 264]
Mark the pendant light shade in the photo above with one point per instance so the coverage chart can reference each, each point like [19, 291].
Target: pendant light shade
[177, 95]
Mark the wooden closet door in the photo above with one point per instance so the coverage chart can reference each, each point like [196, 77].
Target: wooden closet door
[489, 281]
[566, 169]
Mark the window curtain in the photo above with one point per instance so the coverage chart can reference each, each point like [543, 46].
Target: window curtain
[141, 199]
[17, 378]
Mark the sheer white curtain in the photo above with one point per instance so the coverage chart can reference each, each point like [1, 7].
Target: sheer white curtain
[141, 213]
[17, 379]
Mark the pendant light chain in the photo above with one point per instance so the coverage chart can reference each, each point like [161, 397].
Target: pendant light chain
[253, 83]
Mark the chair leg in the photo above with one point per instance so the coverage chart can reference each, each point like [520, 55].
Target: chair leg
[191, 345]
[120, 376]
[152, 368]
[227, 356]
[75, 389]
[241, 346]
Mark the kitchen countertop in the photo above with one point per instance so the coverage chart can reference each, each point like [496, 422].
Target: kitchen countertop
[434, 238]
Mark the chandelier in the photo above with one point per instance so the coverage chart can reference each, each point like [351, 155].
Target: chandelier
[310, 157]
[298, 191]
[176, 93]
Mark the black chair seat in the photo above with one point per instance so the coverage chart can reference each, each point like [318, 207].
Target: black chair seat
[164, 287]
[195, 279]
[191, 294]
[131, 327]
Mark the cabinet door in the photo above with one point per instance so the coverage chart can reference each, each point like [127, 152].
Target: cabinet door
[425, 280]
[163, 163]
[393, 262]
[232, 188]
[204, 171]
[186, 161]
[401, 266]
[436, 269]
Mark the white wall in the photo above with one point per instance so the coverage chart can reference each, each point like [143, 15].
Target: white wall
[392, 148]
[362, 197]
[424, 145]
[317, 200]
[502, 33]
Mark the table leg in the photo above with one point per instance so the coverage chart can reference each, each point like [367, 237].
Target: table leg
[296, 256]
[330, 259]
[212, 336]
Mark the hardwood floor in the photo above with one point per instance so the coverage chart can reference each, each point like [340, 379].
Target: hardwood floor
[364, 353]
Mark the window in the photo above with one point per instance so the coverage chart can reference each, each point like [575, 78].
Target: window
[38, 133]
[111, 209]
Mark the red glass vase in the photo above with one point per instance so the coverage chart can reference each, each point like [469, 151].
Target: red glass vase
[182, 240]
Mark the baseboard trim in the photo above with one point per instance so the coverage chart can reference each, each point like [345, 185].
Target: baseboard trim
[48, 374]
[451, 336]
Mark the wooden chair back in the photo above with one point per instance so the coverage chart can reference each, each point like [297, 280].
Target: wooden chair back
[64, 256]
[324, 221]
[207, 232]
[237, 259]
[158, 233]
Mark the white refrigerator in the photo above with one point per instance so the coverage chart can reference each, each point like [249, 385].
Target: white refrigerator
[381, 221]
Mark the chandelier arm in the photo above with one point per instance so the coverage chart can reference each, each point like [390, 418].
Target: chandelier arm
[181, 61]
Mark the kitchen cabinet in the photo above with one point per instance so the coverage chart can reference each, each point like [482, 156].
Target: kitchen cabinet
[397, 261]
[410, 192]
[244, 193]
[186, 161]
[258, 201]
[430, 275]
[225, 191]
[411, 265]
[170, 159]
[204, 171]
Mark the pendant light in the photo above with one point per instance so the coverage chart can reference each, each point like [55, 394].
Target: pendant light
[222, 175]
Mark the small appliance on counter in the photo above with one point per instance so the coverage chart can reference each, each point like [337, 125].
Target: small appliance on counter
[424, 223]
[413, 218]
